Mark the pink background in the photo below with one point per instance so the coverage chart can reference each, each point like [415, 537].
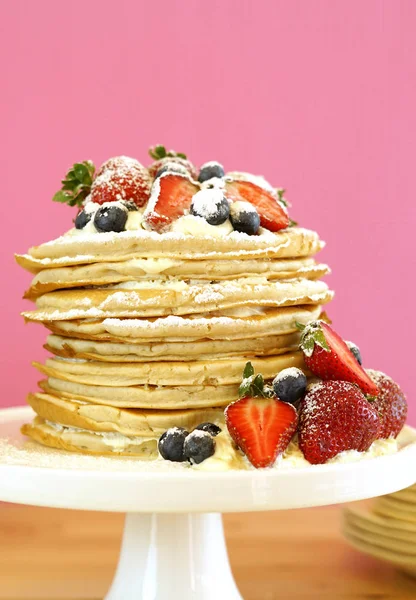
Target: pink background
[319, 96]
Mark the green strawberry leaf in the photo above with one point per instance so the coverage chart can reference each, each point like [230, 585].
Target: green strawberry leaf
[252, 385]
[248, 370]
[282, 200]
[157, 152]
[312, 334]
[76, 185]
[292, 223]
[300, 326]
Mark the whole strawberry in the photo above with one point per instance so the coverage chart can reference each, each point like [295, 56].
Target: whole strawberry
[161, 157]
[335, 416]
[260, 425]
[390, 404]
[121, 178]
[328, 356]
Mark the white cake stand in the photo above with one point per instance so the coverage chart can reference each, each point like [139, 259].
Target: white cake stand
[173, 546]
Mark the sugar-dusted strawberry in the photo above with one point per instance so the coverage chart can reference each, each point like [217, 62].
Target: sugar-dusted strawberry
[121, 178]
[118, 163]
[171, 196]
[335, 416]
[273, 213]
[391, 405]
[260, 425]
[328, 356]
[162, 156]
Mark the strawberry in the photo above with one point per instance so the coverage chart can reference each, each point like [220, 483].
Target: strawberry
[328, 357]
[171, 196]
[121, 180]
[161, 157]
[260, 425]
[273, 213]
[390, 404]
[335, 416]
[118, 163]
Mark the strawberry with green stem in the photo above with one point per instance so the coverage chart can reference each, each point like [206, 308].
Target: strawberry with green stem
[161, 157]
[328, 357]
[261, 425]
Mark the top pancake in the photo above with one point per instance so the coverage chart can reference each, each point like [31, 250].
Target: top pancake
[71, 249]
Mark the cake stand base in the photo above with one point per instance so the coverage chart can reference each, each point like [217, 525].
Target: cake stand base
[175, 557]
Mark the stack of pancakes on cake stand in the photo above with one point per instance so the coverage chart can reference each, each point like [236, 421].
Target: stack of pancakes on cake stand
[151, 331]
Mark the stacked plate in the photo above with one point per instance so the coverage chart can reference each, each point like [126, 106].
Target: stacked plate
[386, 530]
[153, 330]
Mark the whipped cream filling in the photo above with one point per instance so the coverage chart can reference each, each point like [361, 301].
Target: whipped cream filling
[116, 441]
[185, 225]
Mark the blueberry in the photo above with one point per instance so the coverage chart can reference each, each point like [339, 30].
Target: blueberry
[110, 218]
[172, 168]
[211, 205]
[209, 170]
[82, 219]
[171, 444]
[356, 351]
[244, 217]
[198, 446]
[290, 384]
[130, 205]
[210, 428]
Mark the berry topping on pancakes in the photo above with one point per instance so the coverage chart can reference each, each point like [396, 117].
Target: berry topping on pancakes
[171, 444]
[244, 217]
[273, 215]
[328, 356]
[209, 170]
[171, 198]
[262, 426]
[391, 405]
[335, 416]
[121, 179]
[162, 157]
[211, 205]
[198, 446]
[290, 385]
[111, 217]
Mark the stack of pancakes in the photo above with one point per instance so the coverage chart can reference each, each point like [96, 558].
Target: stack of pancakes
[151, 331]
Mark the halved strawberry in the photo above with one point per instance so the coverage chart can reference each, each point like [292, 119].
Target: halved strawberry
[261, 427]
[171, 196]
[391, 405]
[335, 416]
[328, 356]
[273, 215]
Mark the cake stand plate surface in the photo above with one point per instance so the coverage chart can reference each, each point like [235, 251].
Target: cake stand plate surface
[173, 545]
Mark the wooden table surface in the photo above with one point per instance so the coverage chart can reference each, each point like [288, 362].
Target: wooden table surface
[48, 554]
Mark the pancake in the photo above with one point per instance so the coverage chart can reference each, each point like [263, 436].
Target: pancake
[175, 299]
[77, 249]
[130, 422]
[149, 397]
[241, 323]
[98, 274]
[192, 373]
[85, 442]
[170, 351]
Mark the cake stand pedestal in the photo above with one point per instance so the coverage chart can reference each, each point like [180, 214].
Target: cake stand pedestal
[173, 546]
